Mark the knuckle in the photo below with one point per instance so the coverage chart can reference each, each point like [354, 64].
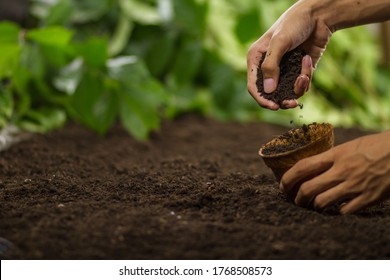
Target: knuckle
[319, 203]
[268, 67]
[306, 190]
[251, 49]
[301, 166]
[351, 189]
[281, 37]
[352, 164]
[263, 104]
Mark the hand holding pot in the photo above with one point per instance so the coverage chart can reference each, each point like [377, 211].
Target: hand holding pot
[356, 174]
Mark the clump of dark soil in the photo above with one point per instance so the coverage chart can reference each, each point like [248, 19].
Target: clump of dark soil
[290, 69]
[295, 138]
[197, 190]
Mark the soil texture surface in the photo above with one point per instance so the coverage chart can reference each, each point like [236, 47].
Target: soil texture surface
[196, 190]
[290, 68]
[293, 139]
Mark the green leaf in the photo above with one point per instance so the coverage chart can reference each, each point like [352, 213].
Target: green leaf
[69, 77]
[94, 51]
[8, 59]
[140, 96]
[9, 48]
[191, 16]
[136, 116]
[20, 82]
[247, 26]
[94, 103]
[121, 36]
[160, 53]
[54, 56]
[89, 10]
[59, 14]
[118, 67]
[139, 108]
[42, 120]
[53, 36]
[140, 12]
[156, 50]
[188, 99]
[6, 106]
[132, 73]
[31, 59]
[187, 61]
[221, 78]
[9, 33]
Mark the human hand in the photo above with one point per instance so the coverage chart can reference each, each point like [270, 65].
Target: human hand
[356, 174]
[298, 26]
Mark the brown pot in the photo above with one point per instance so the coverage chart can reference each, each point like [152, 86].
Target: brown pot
[320, 138]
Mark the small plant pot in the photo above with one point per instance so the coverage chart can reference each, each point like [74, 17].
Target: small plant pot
[282, 152]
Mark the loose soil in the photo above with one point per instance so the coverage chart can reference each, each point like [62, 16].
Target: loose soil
[295, 137]
[290, 69]
[196, 190]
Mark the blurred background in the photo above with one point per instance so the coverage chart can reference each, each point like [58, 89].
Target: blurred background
[143, 61]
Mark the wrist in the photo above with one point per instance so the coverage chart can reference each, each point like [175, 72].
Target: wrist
[340, 14]
[333, 14]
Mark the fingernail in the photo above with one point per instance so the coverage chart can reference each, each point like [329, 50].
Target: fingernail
[303, 82]
[269, 85]
[307, 61]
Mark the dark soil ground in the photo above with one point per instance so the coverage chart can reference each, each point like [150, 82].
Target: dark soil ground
[196, 190]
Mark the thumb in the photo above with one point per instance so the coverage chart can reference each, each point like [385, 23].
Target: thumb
[270, 67]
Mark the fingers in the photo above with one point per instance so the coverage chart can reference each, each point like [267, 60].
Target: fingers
[353, 201]
[303, 81]
[252, 89]
[305, 169]
[355, 205]
[311, 189]
[271, 72]
[265, 103]
[328, 189]
[253, 59]
[289, 104]
[335, 194]
[278, 46]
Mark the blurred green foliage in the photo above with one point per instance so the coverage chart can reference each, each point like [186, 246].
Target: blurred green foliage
[140, 61]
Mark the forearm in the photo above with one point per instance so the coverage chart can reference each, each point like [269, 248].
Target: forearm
[340, 14]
